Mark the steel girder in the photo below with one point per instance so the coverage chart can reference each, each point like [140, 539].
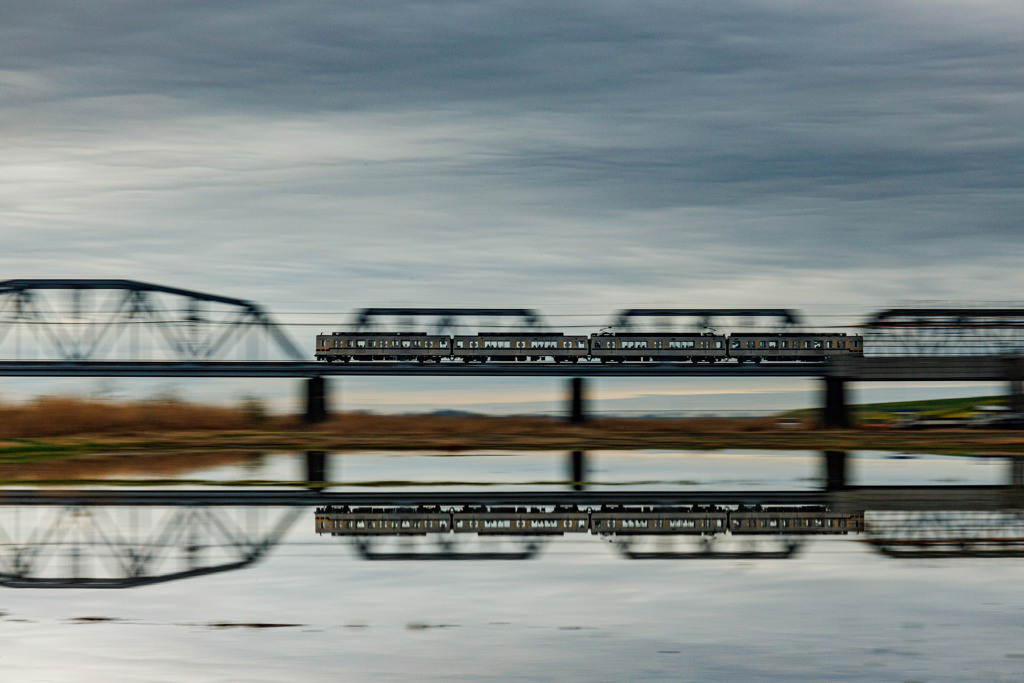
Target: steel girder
[945, 331]
[78, 546]
[81, 320]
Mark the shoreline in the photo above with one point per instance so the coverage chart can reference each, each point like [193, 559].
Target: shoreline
[600, 435]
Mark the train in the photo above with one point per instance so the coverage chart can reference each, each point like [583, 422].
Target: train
[605, 347]
[605, 520]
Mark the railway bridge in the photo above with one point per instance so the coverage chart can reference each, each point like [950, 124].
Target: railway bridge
[123, 328]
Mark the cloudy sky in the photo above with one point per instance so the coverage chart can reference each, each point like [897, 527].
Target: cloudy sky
[575, 157]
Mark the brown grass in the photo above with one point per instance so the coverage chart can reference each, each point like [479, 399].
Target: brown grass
[50, 417]
[66, 426]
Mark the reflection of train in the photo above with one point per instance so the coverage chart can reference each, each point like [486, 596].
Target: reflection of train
[605, 347]
[356, 521]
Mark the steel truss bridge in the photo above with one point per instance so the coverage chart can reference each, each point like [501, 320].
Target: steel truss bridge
[124, 323]
[123, 328]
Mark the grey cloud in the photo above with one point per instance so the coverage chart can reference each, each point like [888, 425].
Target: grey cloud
[502, 150]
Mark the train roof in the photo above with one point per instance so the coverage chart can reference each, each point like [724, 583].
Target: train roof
[521, 333]
[788, 334]
[657, 334]
[383, 334]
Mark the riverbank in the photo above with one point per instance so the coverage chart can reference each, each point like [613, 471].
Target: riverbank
[56, 428]
[469, 434]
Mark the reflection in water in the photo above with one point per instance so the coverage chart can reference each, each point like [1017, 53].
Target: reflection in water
[121, 538]
[943, 533]
[101, 547]
[629, 528]
[580, 611]
[445, 548]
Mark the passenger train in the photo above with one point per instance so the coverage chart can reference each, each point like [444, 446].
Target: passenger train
[539, 346]
[606, 520]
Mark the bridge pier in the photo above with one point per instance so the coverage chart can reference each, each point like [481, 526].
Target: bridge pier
[578, 469]
[316, 400]
[835, 470]
[577, 414]
[1017, 471]
[835, 413]
[316, 467]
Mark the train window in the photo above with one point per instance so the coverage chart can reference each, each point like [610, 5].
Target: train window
[597, 345]
[460, 344]
[406, 344]
[443, 343]
[734, 344]
[361, 344]
[828, 345]
[817, 343]
[580, 345]
[718, 344]
[773, 345]
[761, 344]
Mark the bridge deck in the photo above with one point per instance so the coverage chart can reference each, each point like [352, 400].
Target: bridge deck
[902, 368]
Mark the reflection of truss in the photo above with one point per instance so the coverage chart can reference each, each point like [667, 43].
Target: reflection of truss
[706, 547]
[446, 547]
[444, 320]
[947, 534]
[709, 318]
[101, 547]
[944, 331]
[76, 320]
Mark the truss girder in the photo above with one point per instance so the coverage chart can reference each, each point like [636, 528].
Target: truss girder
[73, 320]
[945, 331]
[98, 547]
[444, 320]
[709, 318]
[947, 533]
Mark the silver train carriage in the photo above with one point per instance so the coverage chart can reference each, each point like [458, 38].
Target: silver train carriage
[786, 346]
[618, 348]
[521, 346]
[417, 346]
[538, 346]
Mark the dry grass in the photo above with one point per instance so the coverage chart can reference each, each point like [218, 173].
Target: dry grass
[52, 417]
[65, 427]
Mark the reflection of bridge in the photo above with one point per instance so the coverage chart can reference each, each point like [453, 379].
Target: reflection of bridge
[117, 538]
[124, 328]
[76, 546]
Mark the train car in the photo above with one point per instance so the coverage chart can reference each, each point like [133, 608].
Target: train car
[365, 346]
[519, 521]
[620, 347]
[792, 346]
[381, 521]
[519, 346]
[794, 521]
[658, 521]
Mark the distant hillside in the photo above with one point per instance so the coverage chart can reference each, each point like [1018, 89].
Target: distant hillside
[934, 408]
